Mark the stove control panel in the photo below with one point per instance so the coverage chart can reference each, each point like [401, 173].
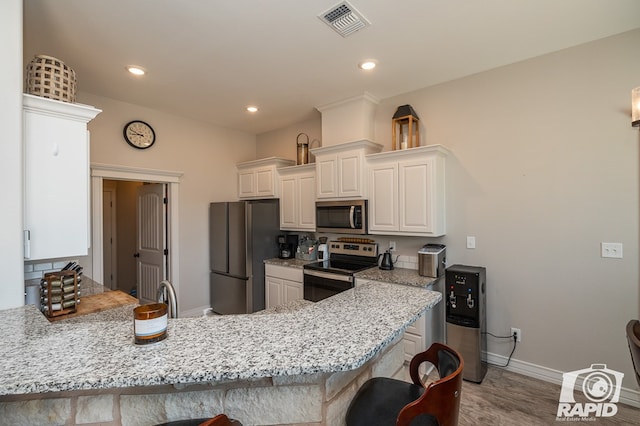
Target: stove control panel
[354, 249]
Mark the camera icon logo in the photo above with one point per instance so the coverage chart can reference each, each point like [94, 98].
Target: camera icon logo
[600, 385]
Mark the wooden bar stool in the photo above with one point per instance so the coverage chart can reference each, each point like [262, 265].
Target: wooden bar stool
[219, 420]
[385, 401]
[633, 338]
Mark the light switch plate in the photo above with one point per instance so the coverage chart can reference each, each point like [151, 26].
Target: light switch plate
[471, 242]
[613, 250]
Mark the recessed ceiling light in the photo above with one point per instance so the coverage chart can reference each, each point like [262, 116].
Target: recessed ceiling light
[136, 70]
[252, 108]
[367, 65]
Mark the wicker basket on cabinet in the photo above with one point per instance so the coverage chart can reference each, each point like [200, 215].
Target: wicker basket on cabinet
[51, 78]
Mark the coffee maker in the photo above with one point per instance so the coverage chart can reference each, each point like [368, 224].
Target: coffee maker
[287, 246]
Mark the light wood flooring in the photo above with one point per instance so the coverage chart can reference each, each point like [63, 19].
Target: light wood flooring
[506, 398]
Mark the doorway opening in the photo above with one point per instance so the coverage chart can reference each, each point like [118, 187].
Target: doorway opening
[155, 241]
[135, 252]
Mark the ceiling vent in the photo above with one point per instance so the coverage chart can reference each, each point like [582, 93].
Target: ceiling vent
[344, 19]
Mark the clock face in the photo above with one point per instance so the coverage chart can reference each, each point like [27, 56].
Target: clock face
[139, 134]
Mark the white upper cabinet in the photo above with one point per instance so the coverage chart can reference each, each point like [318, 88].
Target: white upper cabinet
[407, 192]
[298, 198]
[56, 177]
[340, 169]
[259, 178]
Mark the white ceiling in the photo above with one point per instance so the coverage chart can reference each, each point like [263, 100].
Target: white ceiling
[208, 60]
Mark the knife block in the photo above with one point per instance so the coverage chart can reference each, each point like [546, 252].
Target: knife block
[55, 284]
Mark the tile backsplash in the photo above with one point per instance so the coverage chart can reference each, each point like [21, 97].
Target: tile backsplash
[407, 262]
[36, 270]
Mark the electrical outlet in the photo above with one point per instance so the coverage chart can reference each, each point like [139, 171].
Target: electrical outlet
[611, 250]
[518, 334]
[392, 245]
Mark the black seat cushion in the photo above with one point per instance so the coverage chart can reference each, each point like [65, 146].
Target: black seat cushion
[379, 401]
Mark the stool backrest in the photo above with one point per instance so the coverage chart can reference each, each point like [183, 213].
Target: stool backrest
[220, 420]
[633, 337]
[442, 397]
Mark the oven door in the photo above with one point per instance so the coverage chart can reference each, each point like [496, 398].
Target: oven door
[321, 285]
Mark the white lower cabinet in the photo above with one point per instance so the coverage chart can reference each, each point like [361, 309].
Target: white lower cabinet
[282, 285]
[415, 338]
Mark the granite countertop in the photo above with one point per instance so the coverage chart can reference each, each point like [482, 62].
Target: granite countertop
[337, 334]
[291, 263]
[402, 276]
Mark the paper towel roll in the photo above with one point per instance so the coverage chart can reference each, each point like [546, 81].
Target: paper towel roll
[32, 295]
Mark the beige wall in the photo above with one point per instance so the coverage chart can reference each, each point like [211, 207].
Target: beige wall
[207, 156]
[282, 142]
[544, 167]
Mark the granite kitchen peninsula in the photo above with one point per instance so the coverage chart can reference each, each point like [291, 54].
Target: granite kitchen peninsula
[299, 367]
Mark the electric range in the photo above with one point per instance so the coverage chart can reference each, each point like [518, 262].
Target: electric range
[328, 277]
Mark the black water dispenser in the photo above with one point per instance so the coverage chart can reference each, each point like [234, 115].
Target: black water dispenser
[466, 313]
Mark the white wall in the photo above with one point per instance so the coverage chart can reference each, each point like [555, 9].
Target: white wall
[544, 167]
[207, 156]
[11, 255]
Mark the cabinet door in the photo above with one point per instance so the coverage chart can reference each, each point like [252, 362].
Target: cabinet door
[307, 202]
[273, 292]
[349, 175]
[56, 183]
[288, 202]
[327, 176]
[412, 345]
[415, 196]
[291, 291]
[265, 182]
[246, 184]
[414, 338]
[383, 202]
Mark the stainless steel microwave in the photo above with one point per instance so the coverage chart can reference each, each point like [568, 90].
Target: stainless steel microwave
[342, 217]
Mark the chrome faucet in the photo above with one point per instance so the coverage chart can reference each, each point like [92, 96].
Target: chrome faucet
[167, 294]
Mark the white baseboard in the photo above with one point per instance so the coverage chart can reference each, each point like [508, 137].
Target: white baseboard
[627, 396]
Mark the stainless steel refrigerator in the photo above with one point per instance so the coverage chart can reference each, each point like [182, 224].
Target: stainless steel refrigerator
[241, 236]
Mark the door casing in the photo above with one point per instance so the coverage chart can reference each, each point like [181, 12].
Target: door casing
[99, 172]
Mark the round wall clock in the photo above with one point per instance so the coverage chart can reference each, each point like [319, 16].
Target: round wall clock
[139, 134]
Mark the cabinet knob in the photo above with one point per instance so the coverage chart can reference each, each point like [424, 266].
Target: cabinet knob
[136, 254]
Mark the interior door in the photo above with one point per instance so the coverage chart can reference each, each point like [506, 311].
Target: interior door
[151, 241]
[109, 237]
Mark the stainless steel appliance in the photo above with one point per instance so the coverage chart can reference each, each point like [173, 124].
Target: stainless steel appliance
[436, 317]
[432, 260]
[323, 251]
[342, 217]
[329, 277]
[241, 236]
[386, 263]
[467, 317]
[287, 245]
